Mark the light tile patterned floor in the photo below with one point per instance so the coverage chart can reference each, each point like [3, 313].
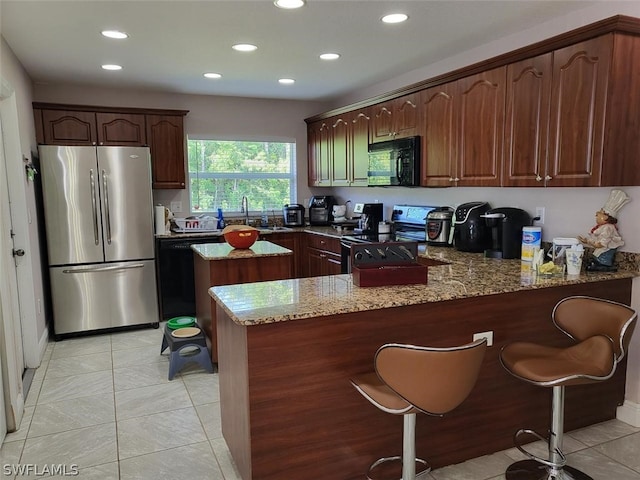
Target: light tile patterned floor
[105, 403]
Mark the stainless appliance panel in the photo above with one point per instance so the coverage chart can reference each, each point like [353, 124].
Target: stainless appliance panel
[106, 295]
[70, 184]
[126, 202]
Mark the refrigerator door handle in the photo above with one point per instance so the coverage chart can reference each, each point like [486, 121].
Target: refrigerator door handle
[106, 206]
[94, 205]
[110, 268]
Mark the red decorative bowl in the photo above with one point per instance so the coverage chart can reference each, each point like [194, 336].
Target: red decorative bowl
[240, 236]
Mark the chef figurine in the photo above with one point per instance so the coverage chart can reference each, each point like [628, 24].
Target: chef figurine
[604, 236]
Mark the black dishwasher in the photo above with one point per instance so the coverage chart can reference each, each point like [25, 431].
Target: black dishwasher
[174, 269]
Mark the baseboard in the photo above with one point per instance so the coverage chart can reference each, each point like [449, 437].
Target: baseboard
[629, 413]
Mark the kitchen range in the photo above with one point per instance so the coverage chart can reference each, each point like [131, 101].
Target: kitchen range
[409, 224]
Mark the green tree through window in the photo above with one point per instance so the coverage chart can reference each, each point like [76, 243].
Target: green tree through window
[221, 172]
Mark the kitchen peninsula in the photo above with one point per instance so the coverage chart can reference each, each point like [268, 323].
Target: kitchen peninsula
[221, 264]
[288, 349]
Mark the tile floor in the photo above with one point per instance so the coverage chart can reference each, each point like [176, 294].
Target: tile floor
[105, 404]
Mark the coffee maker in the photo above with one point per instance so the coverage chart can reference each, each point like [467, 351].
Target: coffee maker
[371, 214]
[506, 231]
[320, 210]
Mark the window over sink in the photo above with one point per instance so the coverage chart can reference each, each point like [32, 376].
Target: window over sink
[221, 172]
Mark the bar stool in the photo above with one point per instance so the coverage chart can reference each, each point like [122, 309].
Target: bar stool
[602, 330]
[411, 379]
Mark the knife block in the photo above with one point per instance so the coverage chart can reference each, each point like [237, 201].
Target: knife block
[388, 263]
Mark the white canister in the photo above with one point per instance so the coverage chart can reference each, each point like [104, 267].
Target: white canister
[560, 247]
[384, 227]
[531, 239]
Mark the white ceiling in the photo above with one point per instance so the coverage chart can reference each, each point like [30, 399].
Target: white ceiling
[173, 43]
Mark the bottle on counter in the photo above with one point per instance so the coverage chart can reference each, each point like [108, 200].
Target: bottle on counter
[221, 223]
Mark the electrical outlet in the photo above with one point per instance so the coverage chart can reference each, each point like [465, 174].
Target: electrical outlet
[176, 207]
[540, 214]
[488, 335]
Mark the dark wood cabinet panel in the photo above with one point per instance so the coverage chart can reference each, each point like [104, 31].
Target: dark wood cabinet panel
[578, 102]
[322, 255]
[481, 127]
[395, 119]
[319, 142]
[341, 148]
[290, 241]
[527, 121]
[439, 135]
[350, 149]
[165, 134]
[359, 165]
[66, 127]
[121, 129]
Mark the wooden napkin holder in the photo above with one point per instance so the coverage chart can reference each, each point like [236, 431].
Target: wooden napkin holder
[386, 263]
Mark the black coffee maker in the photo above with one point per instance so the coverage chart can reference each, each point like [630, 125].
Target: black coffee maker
[506, 231]
[371, 216]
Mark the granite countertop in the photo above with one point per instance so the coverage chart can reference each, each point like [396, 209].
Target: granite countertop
[465, 275]
[224, 251]
[319, 230]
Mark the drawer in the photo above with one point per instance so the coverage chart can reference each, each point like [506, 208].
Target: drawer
[322, 242]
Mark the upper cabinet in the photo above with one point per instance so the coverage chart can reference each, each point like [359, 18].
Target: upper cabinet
[319, 141]
[161, 130]
[395, 119]
[481, 128]
[165, 134]
[350, 147]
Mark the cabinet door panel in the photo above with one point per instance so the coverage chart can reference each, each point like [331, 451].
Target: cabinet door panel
[439, 136]
[313, 152]
[527, 121]
[62, 127]
[481, 124]
[165, 134]
[341, 131]
[382, 122]
[360, 149]
[121, 129]
[580, 76]
[406, 116]
[323, 178]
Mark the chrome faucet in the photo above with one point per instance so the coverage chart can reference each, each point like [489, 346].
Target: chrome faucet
[245, 209]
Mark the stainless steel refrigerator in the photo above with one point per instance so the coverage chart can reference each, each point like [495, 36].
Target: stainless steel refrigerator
[99, 220]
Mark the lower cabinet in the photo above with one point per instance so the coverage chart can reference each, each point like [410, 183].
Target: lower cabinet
[290, 241]
[321, 256]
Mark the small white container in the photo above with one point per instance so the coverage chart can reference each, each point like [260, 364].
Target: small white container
[384, 227]
[560, 247]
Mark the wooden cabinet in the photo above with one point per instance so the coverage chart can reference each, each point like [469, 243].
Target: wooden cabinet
[480, 129]
[322, 256]
[165, 134]
[439, 120]
[121, 129]
[292, 242]
[350, 149]
[526, 130]
[395, 119]
[67, 127]
[578, 102]
[462, 127]
[161, 130]
[319, 151]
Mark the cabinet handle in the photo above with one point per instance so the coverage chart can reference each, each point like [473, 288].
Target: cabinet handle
[538, 178]
[548, 177]
[456, 179]
[451, 179]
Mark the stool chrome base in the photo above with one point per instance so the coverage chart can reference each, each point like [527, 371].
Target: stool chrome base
[532, 470]
[422, 467]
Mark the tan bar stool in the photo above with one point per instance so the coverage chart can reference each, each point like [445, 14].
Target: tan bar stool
[602, 330]
[409, 379]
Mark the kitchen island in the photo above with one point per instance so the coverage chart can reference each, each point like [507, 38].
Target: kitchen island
[221, 264]
[288, 349]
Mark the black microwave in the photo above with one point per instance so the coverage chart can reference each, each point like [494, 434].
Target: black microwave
[395, 163]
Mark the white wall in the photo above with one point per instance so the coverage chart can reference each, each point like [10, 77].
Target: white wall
[13, 72]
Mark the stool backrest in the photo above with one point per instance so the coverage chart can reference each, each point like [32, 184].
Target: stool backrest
[434, 380]
[582, 317]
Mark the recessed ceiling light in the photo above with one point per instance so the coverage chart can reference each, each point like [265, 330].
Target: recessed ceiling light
[244, 47]
[289, 3]
[287, 81]
[212, 75]
[330, 56]
[394, 18]
[114, 34]
[112, 67]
